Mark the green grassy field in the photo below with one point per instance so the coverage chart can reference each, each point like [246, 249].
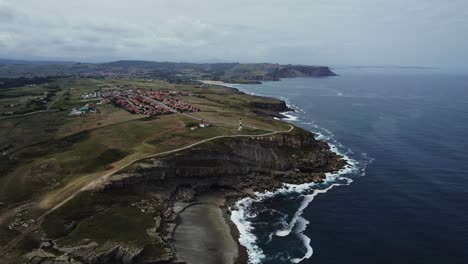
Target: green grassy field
[105, 217]
[49, 156]
[120, 224]
[58, 141]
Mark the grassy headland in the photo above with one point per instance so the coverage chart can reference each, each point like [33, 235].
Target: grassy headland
[49, 157]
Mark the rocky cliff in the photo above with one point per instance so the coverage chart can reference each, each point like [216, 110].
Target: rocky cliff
[273, 72]
[155, 185]
[274, 109]
[260, 163]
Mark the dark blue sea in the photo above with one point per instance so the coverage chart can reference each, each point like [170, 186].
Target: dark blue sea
[404, 197]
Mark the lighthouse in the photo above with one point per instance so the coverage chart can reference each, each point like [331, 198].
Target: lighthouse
[240, 123]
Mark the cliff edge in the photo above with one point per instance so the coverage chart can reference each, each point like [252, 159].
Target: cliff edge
[132, 218]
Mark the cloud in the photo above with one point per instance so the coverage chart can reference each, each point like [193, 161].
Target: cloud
[296, 31]
[7, 14]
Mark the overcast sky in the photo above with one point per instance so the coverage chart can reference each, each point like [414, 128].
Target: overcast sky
[327, 32]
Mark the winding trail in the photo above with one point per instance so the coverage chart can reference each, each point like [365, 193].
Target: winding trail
[28, 114]
[47, 110]
[101, 180]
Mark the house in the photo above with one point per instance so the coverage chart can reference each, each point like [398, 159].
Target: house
[84, 109]
[203, 124]
[88, 108]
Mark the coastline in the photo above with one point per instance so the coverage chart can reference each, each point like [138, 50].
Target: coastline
[267, 165]
[196, 223]
[333, 178]
[229, 202]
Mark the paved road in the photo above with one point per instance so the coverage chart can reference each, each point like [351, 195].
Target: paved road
[160, 103]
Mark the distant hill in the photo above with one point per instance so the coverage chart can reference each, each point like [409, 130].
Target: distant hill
[25, 62]
[169, 71]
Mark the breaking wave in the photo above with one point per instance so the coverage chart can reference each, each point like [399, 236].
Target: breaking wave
[242, 213]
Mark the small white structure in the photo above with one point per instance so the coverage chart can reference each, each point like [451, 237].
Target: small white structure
[75, 112]
[203, 124]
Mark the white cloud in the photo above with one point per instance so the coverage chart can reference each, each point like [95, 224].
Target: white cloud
[296, 31]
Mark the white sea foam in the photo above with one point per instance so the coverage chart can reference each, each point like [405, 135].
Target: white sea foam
[239, 216]
[297, 224]
[242, 213]
[307, 123]
[321, 136]
[307, 199]
[290, 116]
[302, 225]
[333, 179]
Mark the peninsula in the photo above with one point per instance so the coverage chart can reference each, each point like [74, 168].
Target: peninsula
[131, 169]
[168, 71]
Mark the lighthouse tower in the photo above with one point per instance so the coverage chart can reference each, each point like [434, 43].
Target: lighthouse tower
[240, 123]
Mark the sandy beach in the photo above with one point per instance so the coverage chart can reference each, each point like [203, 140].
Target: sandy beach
[203, 235]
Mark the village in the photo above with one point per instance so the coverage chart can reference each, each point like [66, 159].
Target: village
[138, 101]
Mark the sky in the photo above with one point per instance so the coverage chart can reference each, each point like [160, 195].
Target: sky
[315, 32]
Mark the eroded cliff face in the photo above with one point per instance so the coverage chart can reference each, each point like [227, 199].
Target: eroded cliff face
[233, 164]
[277, 72]
[273, 109]
[259, 163]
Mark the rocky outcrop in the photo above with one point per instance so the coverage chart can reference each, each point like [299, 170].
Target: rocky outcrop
[270, 109]
[302, 71]
[234, 164]
[106, 253]
[274, 106]
[260, 163]
[270, 72]
[90, 253]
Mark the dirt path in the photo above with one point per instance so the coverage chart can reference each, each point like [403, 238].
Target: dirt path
[28, 114]
[47, 110]
[103, 179]
[90, 182]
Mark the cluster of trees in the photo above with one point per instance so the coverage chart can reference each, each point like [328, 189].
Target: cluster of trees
[22, 81]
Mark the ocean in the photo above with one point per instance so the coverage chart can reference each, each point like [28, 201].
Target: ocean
[404, 197]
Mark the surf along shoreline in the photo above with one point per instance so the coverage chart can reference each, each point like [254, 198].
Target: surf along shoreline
[236, 209]
[237, 166]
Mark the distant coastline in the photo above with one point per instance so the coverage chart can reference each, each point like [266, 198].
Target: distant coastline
[174, 72]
